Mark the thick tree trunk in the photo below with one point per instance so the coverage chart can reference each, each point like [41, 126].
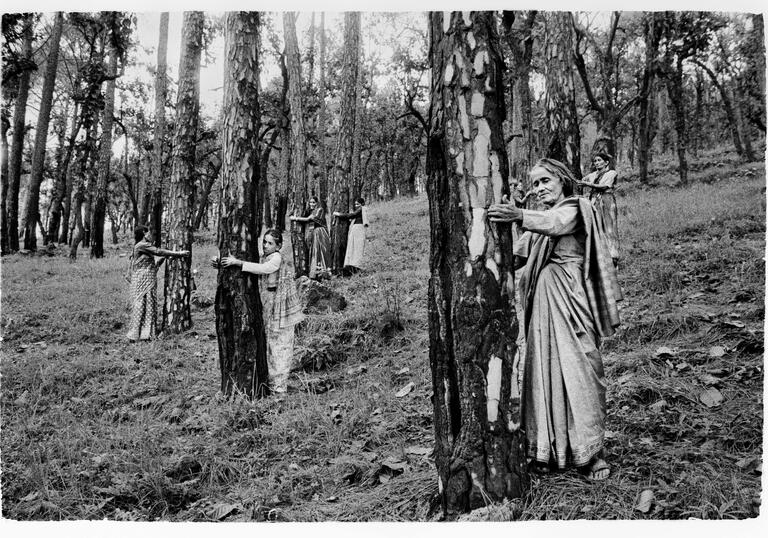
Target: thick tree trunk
[161, 85]
[674, 81]
[479, 449]
[322, 120]
[98, 214]
[298, 144]
[177, 313]
[560, 100]
[32, 213]
[17, 146]
[342, 170]
[239, 325]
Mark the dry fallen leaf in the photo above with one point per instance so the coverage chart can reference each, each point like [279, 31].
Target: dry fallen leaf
[418, 450]
[711, 397]
[645, 501]
[716, 351]
[405, 390]
[664, 352]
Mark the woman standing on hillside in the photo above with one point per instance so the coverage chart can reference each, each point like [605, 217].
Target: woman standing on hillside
[143, 284]
[602, 182]
[316, 236]
[569, 291]
[281, 308]
[353, 259]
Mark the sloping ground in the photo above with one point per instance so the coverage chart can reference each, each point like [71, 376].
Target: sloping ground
[96, 428]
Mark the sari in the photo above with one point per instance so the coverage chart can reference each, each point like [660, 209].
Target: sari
[143, 292]
[569, 291]
[605, 203]
[281, 311]
[316, 236]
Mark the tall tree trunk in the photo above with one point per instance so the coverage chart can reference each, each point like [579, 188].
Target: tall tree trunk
[98, 214]
[177, 313]
[746, 138]
[298, 144]
[66, 206]
[60, 179]
[342, 170]
[520, 41]
[283, 183]
[560, 99]
[81, 181]
[674, 81]
[32, 213]
[322, 119]
[161, 89]
[202, 206]
[60, 128]
[651, 36]
[17, 146]
[6, 125]
[479, 448]
[239, 325]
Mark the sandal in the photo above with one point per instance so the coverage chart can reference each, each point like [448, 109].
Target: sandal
[597, 470]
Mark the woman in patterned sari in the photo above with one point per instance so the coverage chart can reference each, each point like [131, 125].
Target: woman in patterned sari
[143, 284]
[602, 184]
[316, 236]
[569, 291]
[281, 308]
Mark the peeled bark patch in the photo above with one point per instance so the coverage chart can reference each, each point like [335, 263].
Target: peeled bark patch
[479, 447]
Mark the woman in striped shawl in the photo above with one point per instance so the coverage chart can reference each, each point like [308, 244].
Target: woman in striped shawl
[281, 307]
[143, 284]
[569, 291]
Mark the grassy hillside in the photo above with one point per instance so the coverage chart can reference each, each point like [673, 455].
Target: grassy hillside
[95, 427]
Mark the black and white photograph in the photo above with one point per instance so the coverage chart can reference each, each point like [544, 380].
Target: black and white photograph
[277, 264]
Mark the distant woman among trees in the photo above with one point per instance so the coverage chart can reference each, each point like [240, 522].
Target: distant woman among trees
[281, 308]
[602, 182]
[316, 236]
[353, 260]
[569, 291]
[143, 284]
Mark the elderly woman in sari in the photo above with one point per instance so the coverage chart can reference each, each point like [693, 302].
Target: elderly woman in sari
[602, 183]
[143, 284]
[316, 236]
[281, 308]
[353, 258]
[569, 291]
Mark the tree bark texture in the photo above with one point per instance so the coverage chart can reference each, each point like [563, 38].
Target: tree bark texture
[98, 215]
[32, 213]
[6, 125]
[479, 449]
[17, 145]
[177, 314]
[322, 119]
[298, 144]
[560, 95]
[239, 325]
[342, 169]
[674, 82]
[283, 183]
[519, 38]
[161, 89]
[651, 36]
